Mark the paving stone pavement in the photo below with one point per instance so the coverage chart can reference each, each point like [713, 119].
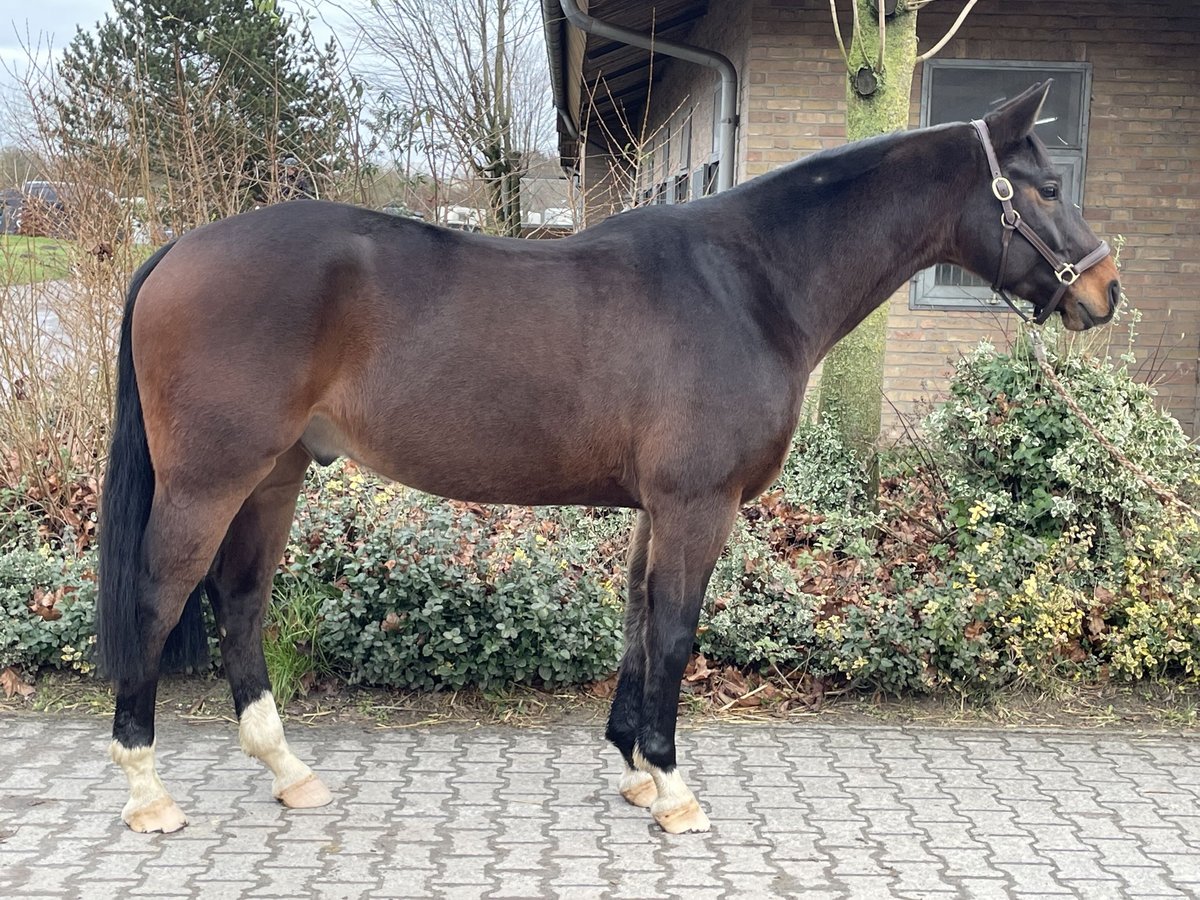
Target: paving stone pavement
[797, 810]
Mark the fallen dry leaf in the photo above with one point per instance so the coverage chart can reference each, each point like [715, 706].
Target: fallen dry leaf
[697, 669]
[43, 603]
[604, 689]
[13, 683]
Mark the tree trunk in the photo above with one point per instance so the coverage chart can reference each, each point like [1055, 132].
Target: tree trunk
[512, 203]
[851, 395]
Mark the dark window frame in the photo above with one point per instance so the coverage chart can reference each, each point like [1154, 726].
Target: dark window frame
[679, 188]
[925, 293]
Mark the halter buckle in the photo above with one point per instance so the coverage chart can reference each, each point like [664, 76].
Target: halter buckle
[1002, 188]
[1068, 274]
[1010, 223]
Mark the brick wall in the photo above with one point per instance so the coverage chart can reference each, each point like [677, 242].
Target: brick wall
[1142, 176]
[1142, 179]
[1143, 163]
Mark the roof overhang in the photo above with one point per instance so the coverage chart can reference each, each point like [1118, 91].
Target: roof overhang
[600, 86]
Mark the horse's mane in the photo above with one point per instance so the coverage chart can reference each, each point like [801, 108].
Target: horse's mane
[837, 164]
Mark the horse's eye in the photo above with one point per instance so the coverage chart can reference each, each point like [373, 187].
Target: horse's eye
[1049, 191]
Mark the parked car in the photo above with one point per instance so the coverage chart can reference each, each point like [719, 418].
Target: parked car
[58, 209]
[43, 210]
[10, 208]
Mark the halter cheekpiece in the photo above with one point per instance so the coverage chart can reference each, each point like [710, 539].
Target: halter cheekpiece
[1067, 273]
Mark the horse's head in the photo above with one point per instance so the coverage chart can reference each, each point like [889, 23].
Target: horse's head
[1019, 229]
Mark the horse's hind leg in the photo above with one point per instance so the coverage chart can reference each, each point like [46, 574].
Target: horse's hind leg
[182, 535]
[687, 539]
[239, 587]
[637, 787]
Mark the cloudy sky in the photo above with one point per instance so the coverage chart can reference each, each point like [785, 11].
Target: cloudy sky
[44, 26]
[53, 21]
[51, 24]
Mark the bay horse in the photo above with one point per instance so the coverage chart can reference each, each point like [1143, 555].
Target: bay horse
[656, 361]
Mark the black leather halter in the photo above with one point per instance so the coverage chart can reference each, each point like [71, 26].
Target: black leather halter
[1067, 273]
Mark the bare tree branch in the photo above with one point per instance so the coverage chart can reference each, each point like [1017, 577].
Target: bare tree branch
[473, 72]
[880, 5]
[932, 51]
[837, 30]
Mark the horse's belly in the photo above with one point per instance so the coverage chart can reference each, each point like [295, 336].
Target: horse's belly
[483, 470]
[522, 482]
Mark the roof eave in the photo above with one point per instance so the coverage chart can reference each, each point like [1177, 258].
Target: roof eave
[554, 24]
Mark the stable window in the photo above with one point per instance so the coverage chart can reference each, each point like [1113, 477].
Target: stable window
[684, 161]
[679, 189]
[716, 122]
[958, 90]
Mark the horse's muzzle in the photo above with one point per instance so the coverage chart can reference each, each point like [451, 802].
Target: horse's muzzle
[1093, 298]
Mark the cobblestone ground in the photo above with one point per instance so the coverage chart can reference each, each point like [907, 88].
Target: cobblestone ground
[796, 810]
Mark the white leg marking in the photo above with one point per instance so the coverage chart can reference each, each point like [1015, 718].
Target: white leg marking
[261, 735]
[676, 809]
[638, 788]
[150, 807]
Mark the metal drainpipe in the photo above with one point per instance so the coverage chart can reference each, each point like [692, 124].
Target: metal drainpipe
[729, 118]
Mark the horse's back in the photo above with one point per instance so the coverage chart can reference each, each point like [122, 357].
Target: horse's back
[474, 367]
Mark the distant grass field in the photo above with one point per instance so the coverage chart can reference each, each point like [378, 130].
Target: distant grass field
[28, 260]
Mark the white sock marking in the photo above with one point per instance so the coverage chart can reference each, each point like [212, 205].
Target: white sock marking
[144, 784]
[672, 792]
[261, 735]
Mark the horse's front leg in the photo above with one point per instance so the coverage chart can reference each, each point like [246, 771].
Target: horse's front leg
[686, 541]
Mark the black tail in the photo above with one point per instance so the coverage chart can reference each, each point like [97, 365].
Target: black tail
[125, 510]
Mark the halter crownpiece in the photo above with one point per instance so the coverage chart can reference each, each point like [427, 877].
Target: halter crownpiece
[1067, 273]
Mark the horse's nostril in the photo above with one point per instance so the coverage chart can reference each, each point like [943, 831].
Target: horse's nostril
[1114, 293]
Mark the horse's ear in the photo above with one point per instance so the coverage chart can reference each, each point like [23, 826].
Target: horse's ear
[1012, 122]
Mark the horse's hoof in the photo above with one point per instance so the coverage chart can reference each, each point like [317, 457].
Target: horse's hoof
[160, 815]
[307, 793]
[638, 789]
[682, 819]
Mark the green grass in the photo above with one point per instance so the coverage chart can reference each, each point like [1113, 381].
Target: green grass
[289, 642]
[28, 260]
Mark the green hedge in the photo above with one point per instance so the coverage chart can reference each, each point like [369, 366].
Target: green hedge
[1052, 560]
[62, 588]
[1012, 550]
[428, 594]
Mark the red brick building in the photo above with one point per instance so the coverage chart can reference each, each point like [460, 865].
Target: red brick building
[1125, 131]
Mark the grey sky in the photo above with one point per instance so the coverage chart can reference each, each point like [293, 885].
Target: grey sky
[38, 27]
[57, 19]
[51, 21]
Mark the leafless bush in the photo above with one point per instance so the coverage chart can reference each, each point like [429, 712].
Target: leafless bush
[118, 196]
[466, 82]
[626, 175]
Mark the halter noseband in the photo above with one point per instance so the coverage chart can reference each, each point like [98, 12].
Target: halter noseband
[1067, 273]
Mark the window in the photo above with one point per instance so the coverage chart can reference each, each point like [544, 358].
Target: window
[684, 161]
[679, 189]
[956, 90]
[716, 122]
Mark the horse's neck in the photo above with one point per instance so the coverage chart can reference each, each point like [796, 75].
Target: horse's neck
[841, 234]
